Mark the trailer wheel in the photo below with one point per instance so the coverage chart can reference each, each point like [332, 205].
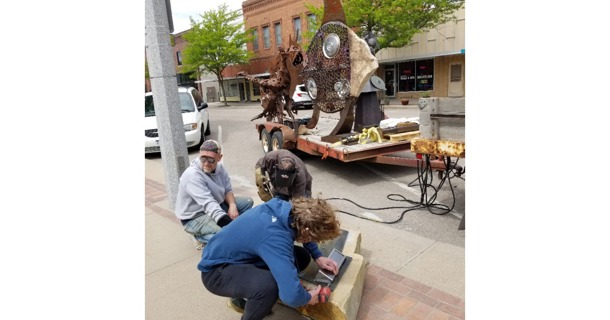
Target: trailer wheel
[265, 140]
[277, 140]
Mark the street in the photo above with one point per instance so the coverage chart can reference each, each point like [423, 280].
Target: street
[364, 186]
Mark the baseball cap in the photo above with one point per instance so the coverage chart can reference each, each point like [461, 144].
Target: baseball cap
[210, 145]
[285, 172]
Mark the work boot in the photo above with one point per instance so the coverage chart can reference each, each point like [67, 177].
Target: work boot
[237, 304]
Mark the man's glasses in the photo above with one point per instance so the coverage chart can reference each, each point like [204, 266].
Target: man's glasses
[207, 159]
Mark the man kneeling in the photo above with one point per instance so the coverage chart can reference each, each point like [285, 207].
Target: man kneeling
[254, 257]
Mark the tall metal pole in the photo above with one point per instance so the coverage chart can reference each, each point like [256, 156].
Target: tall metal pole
[159, 55]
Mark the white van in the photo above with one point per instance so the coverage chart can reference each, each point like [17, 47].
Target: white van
[194, 117]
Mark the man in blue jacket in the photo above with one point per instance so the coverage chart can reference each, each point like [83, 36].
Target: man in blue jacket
[254, 257]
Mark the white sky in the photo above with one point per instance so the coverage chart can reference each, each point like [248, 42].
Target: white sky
[183, 9]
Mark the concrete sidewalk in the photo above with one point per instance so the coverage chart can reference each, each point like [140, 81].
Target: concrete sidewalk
[408, 276]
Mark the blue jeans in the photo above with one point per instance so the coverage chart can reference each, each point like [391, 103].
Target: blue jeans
[243, 204]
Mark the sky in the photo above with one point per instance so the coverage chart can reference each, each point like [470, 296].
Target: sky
[183, 9]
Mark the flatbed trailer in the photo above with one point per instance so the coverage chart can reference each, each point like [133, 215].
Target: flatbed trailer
[274, 136]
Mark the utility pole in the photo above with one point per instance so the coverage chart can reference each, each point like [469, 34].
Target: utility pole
[159, 54]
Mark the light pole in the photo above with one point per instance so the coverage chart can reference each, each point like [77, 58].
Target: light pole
[159, 55]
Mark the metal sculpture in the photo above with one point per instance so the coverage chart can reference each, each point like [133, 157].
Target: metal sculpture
[277, 91]
[338, 65]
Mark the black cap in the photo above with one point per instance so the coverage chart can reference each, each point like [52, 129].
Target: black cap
[285, 172]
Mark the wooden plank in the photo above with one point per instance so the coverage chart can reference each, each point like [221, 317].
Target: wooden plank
[403, 136]
[400, 128]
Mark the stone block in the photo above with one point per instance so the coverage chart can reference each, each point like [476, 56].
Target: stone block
[442, 118]
[344, 301]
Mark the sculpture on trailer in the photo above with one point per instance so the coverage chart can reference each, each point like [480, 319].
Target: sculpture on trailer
[339, 65]
[277, 91]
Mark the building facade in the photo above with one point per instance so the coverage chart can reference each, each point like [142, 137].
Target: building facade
[433, 65]
[207, 88]
[272, 23]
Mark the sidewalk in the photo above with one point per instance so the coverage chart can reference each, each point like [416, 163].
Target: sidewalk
[408, 276]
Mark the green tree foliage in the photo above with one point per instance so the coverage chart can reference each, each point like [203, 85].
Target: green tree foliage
[215, 43]
[315, 24]
[394, 22]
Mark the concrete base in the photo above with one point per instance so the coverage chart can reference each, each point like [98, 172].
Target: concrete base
[344, 301]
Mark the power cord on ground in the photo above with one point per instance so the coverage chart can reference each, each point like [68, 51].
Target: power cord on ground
[425, 180]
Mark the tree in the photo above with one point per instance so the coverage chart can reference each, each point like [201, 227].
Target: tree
[215, 43]
[313, 24]
[394, 22]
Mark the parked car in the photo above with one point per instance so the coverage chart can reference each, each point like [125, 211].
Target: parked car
[300, 98]
[194, 117]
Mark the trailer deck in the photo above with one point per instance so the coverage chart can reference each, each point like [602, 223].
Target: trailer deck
[316, 141]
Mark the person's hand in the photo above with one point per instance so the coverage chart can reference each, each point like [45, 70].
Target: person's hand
[328, 264]
[314, 295]
[233, 213]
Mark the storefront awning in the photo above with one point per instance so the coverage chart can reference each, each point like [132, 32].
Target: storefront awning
[419, 57]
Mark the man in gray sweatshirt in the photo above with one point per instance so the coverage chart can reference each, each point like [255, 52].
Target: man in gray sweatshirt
[205, 200]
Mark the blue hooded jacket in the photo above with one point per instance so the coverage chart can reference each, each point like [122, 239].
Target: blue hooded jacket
[261, 236]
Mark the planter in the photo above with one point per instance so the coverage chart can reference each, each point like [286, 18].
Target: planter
[404, 101]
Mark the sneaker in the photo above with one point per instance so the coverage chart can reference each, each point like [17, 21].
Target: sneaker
[237, 304]
[198, 244]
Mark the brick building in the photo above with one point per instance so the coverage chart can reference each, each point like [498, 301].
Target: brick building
[178, 45]
[434, 64]
[272, 23]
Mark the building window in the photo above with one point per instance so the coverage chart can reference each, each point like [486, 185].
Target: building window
[456, 72]
[184, 79]
[233, 90]
[179, 57]
[256, 89]
[278, 33]
[266, 37]
[416, 75]
[254, 39]
[297, 28]
[311, 22]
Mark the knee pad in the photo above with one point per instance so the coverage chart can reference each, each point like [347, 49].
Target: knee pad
[262, 184]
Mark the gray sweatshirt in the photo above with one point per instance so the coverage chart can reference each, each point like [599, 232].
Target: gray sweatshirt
[202, 192]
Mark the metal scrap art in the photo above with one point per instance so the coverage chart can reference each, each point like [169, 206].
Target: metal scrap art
[276, 92]
[335, 68]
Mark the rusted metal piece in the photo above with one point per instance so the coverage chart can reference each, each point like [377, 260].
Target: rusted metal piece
[326, 72]
[333, 11]
[278, 89]
[315, 116]
[346, 121]
[439, 147]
